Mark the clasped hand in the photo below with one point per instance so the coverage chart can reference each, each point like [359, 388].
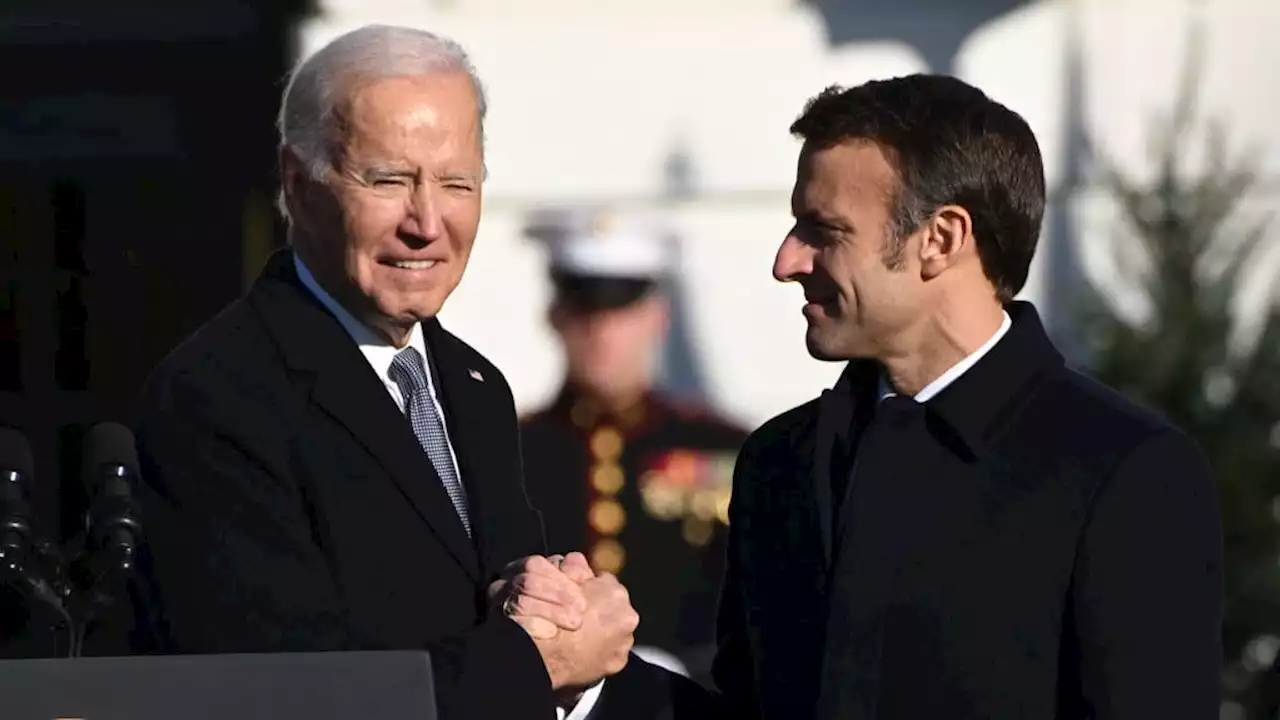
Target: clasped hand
[581, 622]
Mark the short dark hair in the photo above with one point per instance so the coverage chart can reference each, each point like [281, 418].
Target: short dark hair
[949, 144]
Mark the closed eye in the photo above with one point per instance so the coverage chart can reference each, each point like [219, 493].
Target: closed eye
[816, 233]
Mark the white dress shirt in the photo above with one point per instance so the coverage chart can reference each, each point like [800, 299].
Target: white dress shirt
[380, 353]
[955, 371]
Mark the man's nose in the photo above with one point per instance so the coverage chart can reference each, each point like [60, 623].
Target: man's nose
[424, 218]
[794, 259]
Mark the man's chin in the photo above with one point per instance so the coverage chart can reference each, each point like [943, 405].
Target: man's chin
[819, 349]
[829, 349]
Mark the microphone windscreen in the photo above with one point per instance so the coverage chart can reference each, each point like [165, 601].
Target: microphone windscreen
[15, 453]
[109, 443]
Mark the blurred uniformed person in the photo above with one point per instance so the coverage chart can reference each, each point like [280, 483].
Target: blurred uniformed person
[637, 481]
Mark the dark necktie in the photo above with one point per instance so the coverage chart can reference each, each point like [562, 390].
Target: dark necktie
[410, 373]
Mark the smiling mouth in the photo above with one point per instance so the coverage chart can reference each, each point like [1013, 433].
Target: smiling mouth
[410, 264]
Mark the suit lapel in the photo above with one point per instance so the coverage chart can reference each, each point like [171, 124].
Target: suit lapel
[476, 413]
[836, 411]
[389, 438]
[346, 388]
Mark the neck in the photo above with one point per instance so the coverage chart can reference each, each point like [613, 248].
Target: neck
[616, 400]
[940, 341]
[394, 334]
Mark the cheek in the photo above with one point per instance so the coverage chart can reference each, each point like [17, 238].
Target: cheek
[462, 222]
[371, 223]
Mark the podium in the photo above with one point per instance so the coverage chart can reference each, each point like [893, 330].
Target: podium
[392, 685]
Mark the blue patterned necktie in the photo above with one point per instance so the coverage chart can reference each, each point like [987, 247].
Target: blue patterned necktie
[409, 372]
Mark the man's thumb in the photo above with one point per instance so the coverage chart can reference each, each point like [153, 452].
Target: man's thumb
[575, 566]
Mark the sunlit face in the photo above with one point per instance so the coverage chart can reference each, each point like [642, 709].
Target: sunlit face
[611, 352]
[856, 304]
[390, 230]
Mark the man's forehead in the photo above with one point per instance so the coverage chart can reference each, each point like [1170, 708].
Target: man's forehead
[854, 169]
[407, 98]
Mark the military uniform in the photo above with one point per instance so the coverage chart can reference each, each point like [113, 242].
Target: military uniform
[645, 494]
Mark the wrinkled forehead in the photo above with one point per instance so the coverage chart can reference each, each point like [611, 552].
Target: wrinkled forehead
[406, 104]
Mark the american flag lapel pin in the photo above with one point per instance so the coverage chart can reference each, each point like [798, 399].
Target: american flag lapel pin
[475, 375]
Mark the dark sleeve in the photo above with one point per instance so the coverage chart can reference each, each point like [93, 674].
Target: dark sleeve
[1147, 595]
[233, 566]
[733, 669]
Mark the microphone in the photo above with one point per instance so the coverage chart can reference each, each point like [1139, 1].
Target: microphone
[16, 469]
[114, 526]
[18, 543]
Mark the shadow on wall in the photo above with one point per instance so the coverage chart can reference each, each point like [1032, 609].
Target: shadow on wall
[681, 374]
[935, 28]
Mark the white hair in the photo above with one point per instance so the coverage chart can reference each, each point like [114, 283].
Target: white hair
[318, 84]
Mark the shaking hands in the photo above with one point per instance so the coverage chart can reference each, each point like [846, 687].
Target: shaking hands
[582, 623]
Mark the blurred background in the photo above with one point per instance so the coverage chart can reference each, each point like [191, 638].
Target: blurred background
[137, 181]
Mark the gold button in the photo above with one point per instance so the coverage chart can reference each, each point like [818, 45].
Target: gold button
[607, 517]
[606, 444]
[607, 478]
[607, 556]
[696, 532]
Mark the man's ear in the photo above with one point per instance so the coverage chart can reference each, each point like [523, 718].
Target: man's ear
[947, 240]
[294, 179]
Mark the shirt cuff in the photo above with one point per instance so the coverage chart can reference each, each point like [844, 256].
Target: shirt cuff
[583, 709]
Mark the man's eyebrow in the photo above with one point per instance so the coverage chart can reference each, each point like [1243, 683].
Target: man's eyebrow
[819, 218]
[470, 176]
[380, 171]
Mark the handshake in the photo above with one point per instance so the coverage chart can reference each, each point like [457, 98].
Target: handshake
[582, 623]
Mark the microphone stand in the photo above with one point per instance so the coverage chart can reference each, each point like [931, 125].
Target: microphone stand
[45, 583]
[100, 575]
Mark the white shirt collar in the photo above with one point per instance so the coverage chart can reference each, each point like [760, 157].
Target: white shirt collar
[377, 351]
[955, 371]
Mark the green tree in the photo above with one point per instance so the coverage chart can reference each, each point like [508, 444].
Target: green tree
[1187, 245]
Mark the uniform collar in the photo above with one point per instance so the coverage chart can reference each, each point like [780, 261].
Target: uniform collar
[585, 412]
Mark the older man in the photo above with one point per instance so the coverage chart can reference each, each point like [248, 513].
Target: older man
[328, 468]
[963, 527]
